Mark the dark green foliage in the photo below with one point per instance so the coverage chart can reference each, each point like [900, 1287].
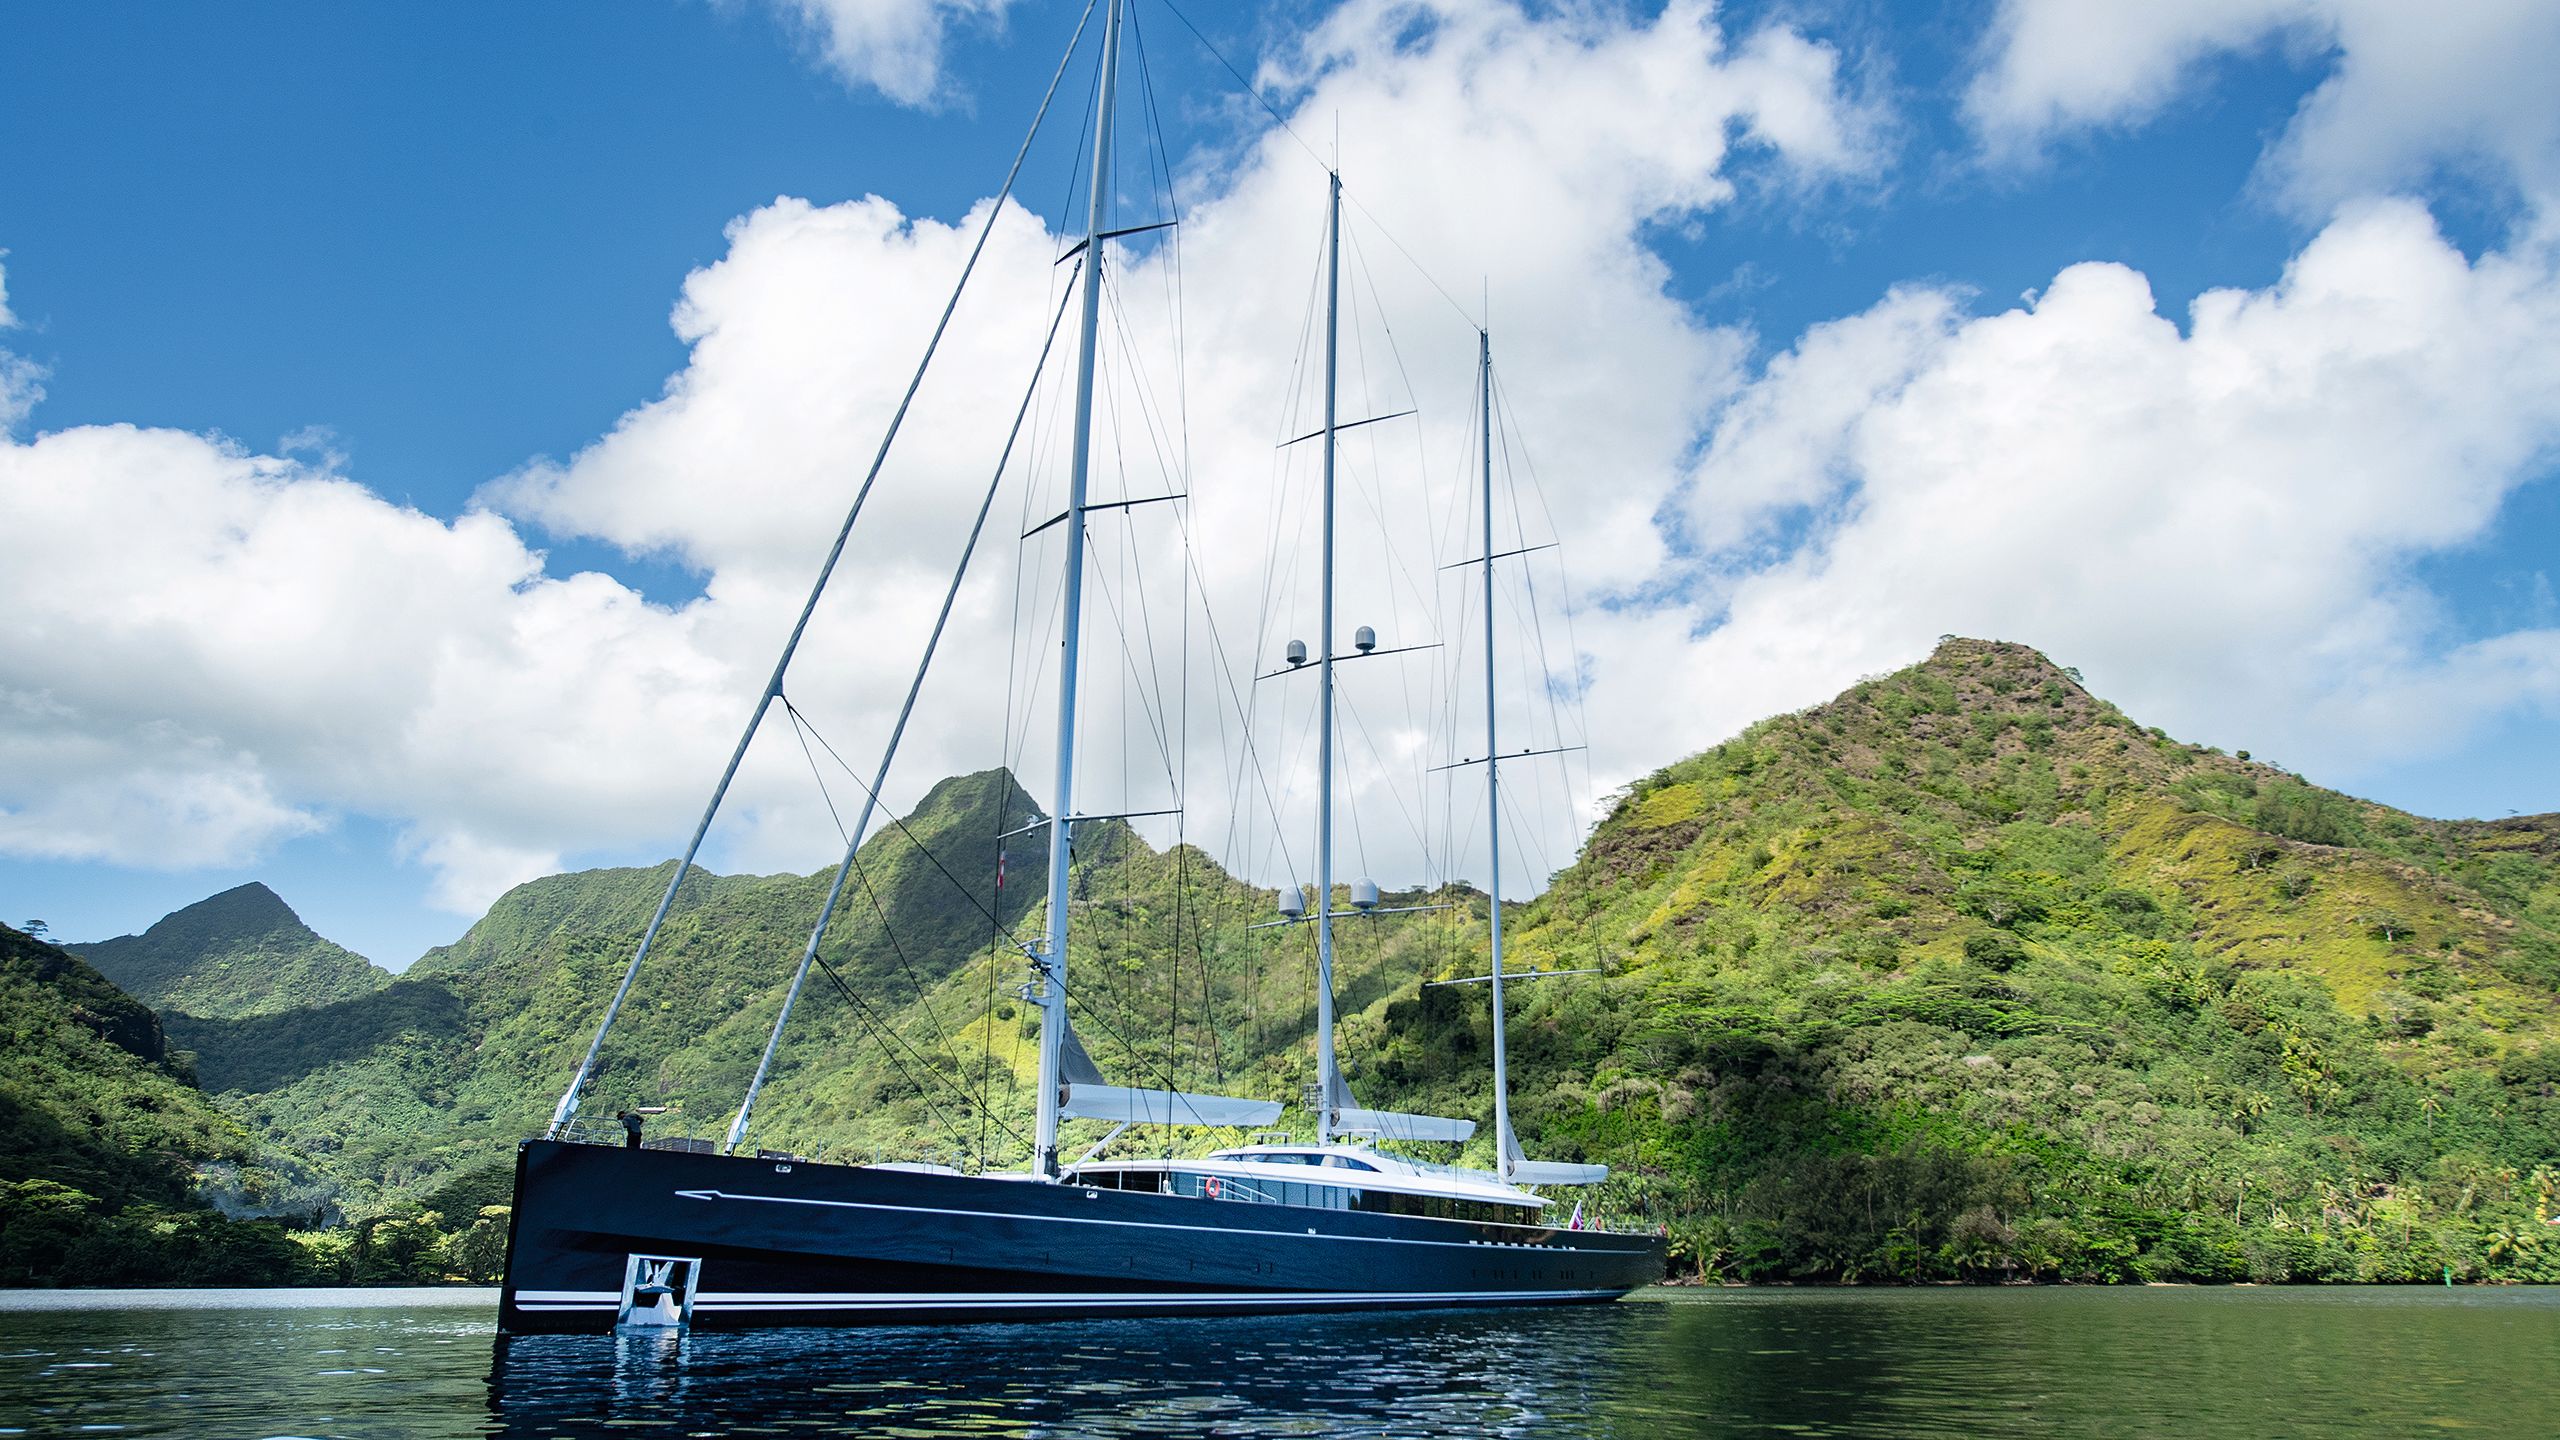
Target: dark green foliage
[2315, 817]
[1995, 950]
[48, 979]
[272, 1051]
[101, 1140]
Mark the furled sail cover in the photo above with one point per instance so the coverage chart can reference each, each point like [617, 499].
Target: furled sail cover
[1395, 1125]
[1164, 1107]
[1089, 1097]
[1525, 1171]
[1350, 1118]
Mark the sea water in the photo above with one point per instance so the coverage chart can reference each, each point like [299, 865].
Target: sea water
[1665, 1363]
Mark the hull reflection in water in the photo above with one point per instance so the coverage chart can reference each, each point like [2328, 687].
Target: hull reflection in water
[2048, 1364]
[606, 1236]
[1446, 1373]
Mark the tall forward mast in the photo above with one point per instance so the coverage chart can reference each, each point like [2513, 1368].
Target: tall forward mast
[1050, 965]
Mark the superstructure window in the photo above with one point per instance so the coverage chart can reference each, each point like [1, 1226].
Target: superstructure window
[1267, 1191]
[1442, 1207]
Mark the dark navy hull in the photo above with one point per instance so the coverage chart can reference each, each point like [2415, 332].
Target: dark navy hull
[767, 1242]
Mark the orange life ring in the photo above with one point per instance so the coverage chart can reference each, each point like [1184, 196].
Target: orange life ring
[1212, 1186]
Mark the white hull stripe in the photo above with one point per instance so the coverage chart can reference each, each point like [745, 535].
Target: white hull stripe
[1069, 1300]
[1567, 1249]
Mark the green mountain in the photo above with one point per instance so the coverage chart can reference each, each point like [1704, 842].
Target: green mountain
[1963, 975]
[106, 1144]
[1967, 975]
[242, 952]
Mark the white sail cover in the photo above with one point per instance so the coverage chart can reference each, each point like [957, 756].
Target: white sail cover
[1396, 1125]
[1549, 1172]
[1125, 1106]
[1525, 1171]
[1089, 1097]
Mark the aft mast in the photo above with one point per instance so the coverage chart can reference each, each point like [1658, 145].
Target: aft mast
[1510, 1165]
[1330, 1097]
[1050, 965]
[1493, 777]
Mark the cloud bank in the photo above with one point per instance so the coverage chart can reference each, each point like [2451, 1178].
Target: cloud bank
[217, 650]
[209, 651]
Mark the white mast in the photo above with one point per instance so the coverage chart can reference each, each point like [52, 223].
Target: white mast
[1493, 777]
[1329, 1072]
[1050, 966]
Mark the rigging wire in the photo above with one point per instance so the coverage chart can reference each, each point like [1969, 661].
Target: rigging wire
[1537, 619]
[1183, 882]
[895, 819]
[882, 1031]
[1248, 87]
[1564, 580]
[801, 728]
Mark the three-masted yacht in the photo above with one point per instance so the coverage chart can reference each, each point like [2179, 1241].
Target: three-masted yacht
[606, 1235]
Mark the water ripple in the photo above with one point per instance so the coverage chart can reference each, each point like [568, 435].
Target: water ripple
[2044, 1363]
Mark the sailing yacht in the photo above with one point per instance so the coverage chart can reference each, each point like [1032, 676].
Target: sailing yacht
[605, 1235]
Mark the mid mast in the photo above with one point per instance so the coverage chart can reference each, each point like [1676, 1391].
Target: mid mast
[1336, 1111]
[1330, 1096]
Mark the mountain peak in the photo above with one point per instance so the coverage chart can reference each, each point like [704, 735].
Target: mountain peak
[1965, 679]
[240, 906]
[2006, 660]
[996, 791]
[241, 952]
[1907, 816]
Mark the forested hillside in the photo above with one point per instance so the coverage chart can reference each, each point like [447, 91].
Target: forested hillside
[1963, 975]
[106, 1147]
[1967, 975]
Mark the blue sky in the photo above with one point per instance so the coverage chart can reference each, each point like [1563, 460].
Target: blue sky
[422, 248]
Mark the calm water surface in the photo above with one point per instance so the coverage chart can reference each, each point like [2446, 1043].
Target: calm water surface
[2061, 1363]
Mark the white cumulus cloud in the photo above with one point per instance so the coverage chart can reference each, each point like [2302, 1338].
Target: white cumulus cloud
[2409, 88]
[2217, 523]
[892, 46]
